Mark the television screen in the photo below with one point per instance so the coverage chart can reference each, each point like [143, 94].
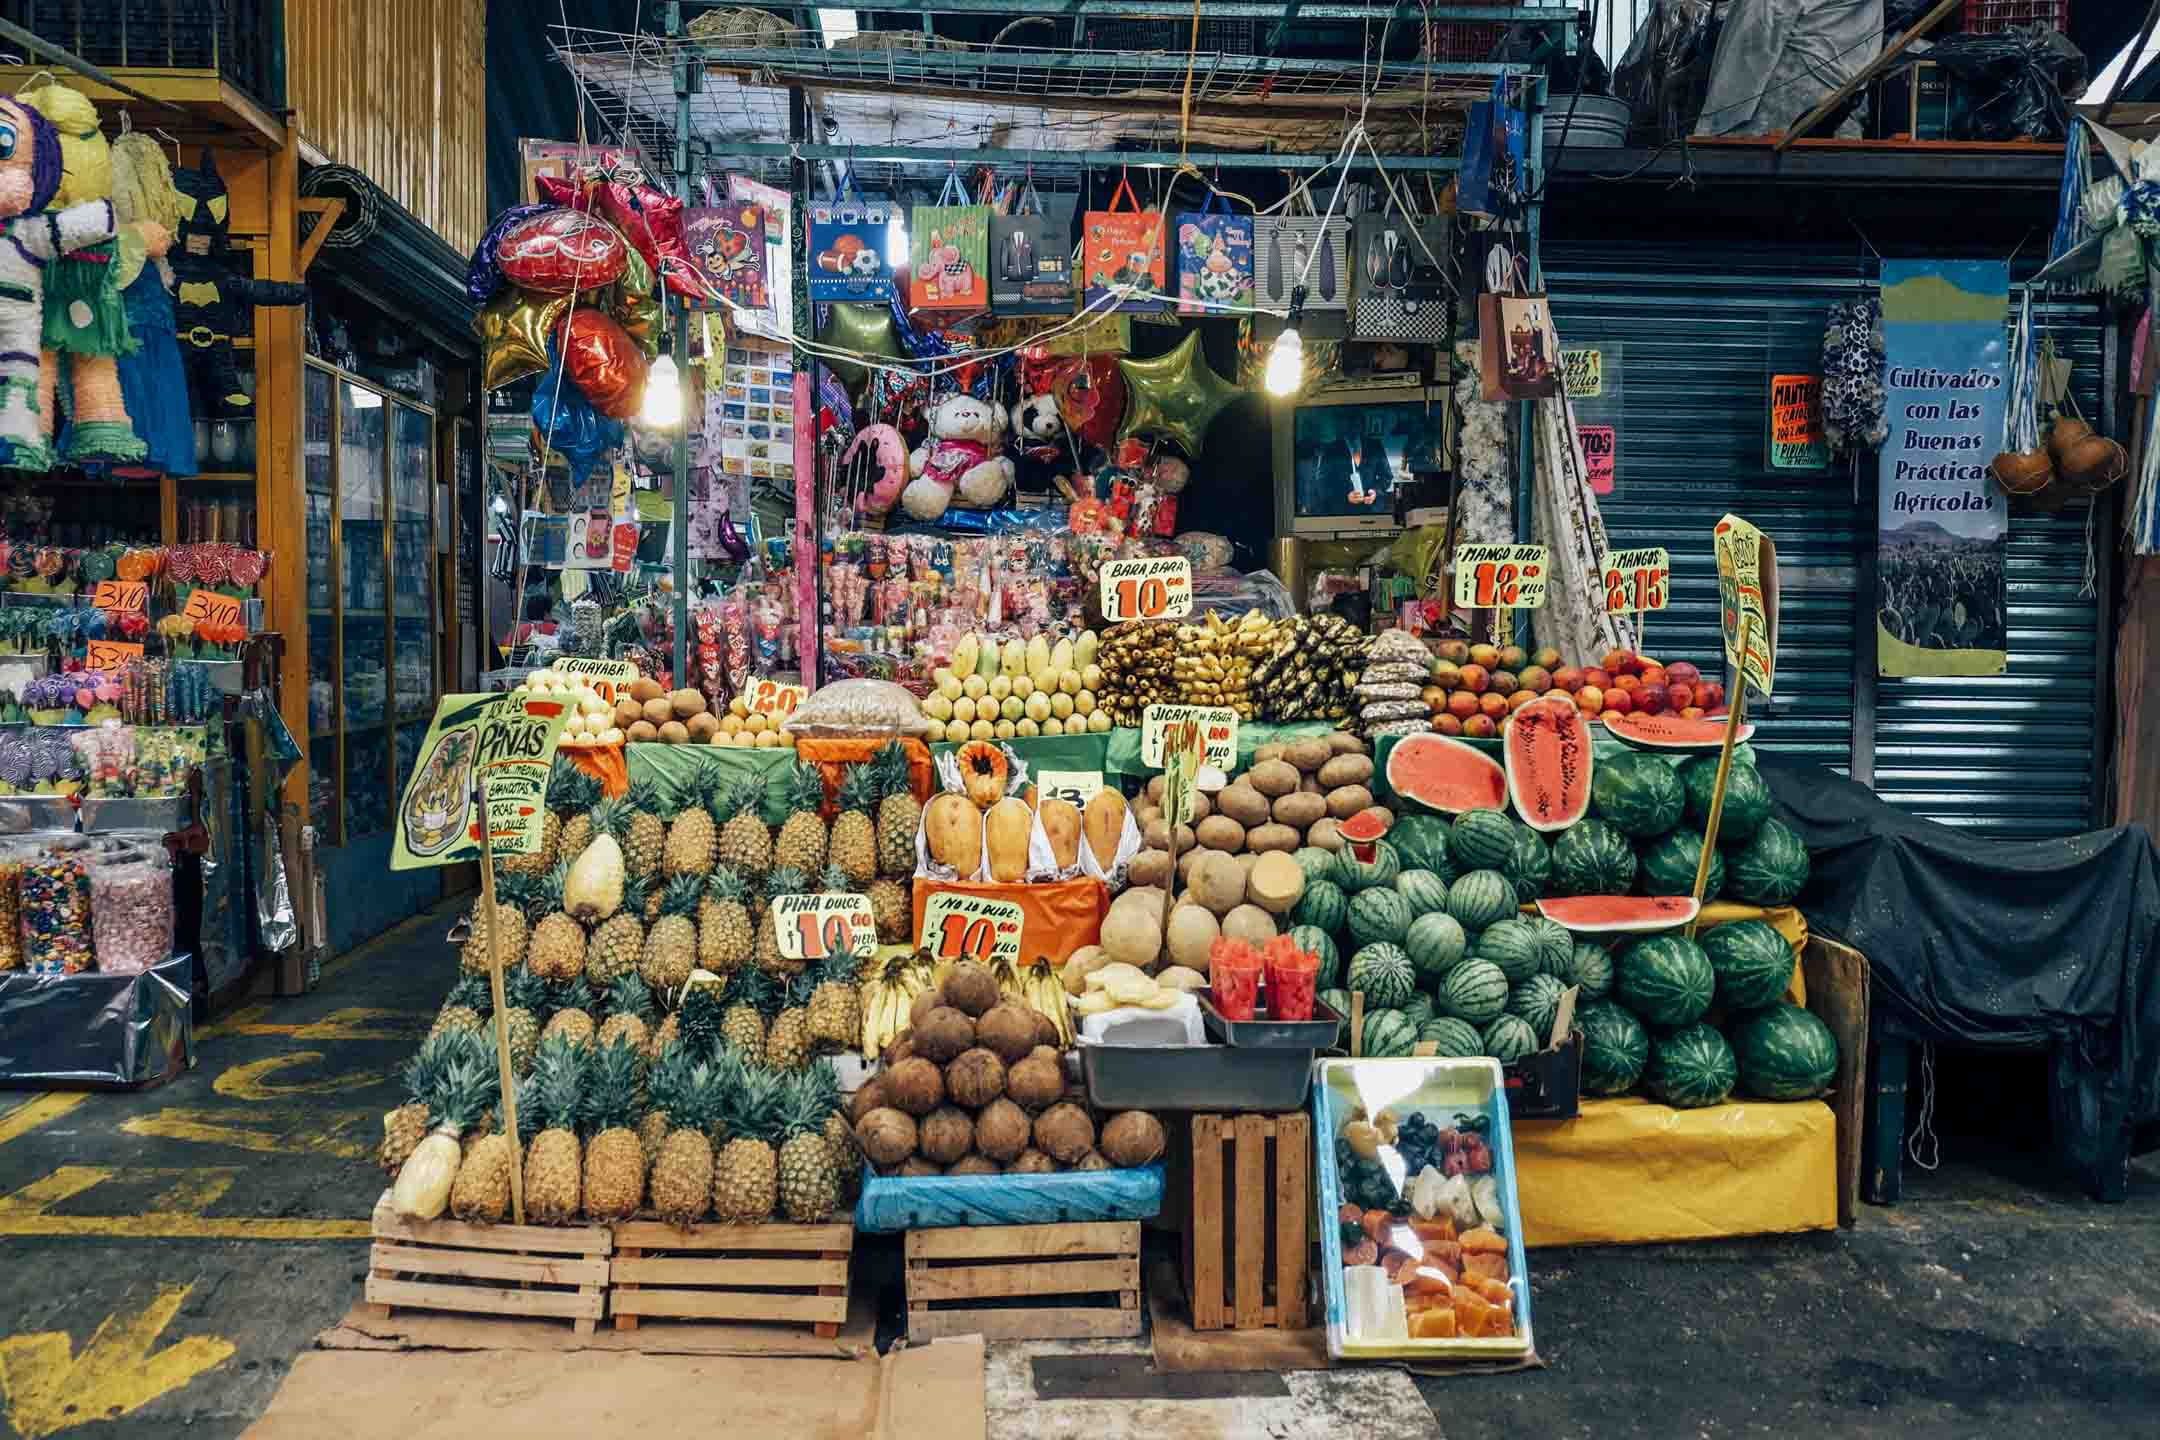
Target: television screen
[1350, 459]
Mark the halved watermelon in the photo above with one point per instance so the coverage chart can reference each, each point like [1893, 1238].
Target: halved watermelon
[1616, 914]
[1444, 775]
[1548, 764]
[1672, 734]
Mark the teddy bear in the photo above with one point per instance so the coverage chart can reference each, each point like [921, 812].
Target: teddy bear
[960, 460]
[1045, 455]
[1163, 477]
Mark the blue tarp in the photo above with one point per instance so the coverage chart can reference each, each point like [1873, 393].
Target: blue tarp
[891, 1205]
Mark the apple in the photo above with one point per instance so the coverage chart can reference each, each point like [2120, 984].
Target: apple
[1434, 697]
[1447, 725]
[1568, 678]
[1485, 655]
[1475, 678]
[1462, 704]
[1446, 674]
[1591, 700]
[1537, 679]
[1546, 658]
[1618, 702]
[1627, 683]
[1653, 675]
[1481, 727]
[1559, 697]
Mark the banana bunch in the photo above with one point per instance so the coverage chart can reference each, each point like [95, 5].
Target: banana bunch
[888, 994]
[1310, 667]
[1037, 986]
[1214, 660]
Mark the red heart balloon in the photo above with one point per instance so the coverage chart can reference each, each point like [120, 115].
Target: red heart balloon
[555, 252]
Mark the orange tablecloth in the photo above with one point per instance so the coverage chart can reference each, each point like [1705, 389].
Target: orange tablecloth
[1058, 917]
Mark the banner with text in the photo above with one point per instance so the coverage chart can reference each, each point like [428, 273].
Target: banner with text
[1943, 528]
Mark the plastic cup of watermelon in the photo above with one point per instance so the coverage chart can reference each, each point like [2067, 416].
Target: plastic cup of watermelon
[1291, 982]
[1234, 975]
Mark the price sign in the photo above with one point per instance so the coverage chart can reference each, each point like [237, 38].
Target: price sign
[111, 654]
[1159, 588]
[1636, 579]
[510, 738]
[972, 927]
[1584, 370]
[121, 595]
[1797, 438]
[207, 606]
[610, 679]
[1501, 577]
[626, 541]
[1748, 594]
[1074, 787]
[1601, 456]
[814, 927]
[770, 697]
[1218, 732]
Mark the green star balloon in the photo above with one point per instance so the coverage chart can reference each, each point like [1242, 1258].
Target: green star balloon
[867, 329]
[1174, 397]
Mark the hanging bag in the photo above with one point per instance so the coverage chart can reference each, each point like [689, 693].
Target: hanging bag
[1214, 259]
[1495, 148]
[1030, 260]
[849, 239]
[727, 245]
[950, 252]
[1518, 348]
[1281, 246]
[1397, 277]
[1124, 247]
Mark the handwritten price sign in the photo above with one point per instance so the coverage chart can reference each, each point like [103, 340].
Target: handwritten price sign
[111, 654]
[1501, 577]
[1152, 589]
[1218, 732]
[1074, 787]
[610, 679]
[1636, 579]
[209, 607]
[770, 697]
[972, 927]
[121, 595]
[815, 927]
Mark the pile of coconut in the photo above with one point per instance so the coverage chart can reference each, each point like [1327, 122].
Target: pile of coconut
[976, 1086]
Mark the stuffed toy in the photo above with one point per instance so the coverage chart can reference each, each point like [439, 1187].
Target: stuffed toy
[1046, 459]
[153, 383]
[30, 171]
[215, 300]
[1162, 477]
[883, 459]
[960, 462]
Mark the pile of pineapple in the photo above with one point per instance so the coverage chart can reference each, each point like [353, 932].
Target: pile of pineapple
[666, 1055]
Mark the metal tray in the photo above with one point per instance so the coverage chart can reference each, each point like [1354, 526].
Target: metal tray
[161, 813]
[1318, 1033]
[1195, 1077]
[30, 814]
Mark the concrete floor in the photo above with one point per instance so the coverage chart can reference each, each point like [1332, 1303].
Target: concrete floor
[168, 1254]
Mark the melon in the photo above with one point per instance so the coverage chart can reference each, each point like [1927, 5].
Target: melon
[1590, 970]
[1772, 868]
[1435, 944]
[1445, 776]
[1784, 1053]
[1669, 864]
[1378, 914]
[1321, 906]
[1592, 858]
[1421, 842]
[1388, 1034]
[1529, 864]
[1475, 991]
[1509, 1038]
[1615, 1048]
[1354, 874]
[1422, 890]
[1548, 764]
[1482, 840]
[1690, 1067]
[1537, 1001]
[1666, 979]
[1451, 1037]
[1638, 794]
[1619, 914]
[1747, 798]
[1384, 973]
[1555, 945]
[1480, 899]
[953, 832]
[1673, 734]
[1276, 883]
[1512, 946]
[1418, 1008]
[1318, 864]
[1005, 835]
[1318, 943]
[1752, 962]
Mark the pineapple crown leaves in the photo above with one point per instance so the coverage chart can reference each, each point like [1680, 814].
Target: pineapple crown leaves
[423, 1072]
[805, 787]
[698, 1018]
[630, 995]
[757, 1105]
[634, 894]
[744, 797]
[547, 892]
[528, 1103]
[680, 896]
[726, 883]
[665, 1082]
[574, 994]
[820, 1085]
[515, 890]
[837, 969]
[559, 1083]
[802, 1105]
[473, 992]
[892, 766]
[610, 1098]
[700, 1100]
[653, 798]
[525, 990]
[467, 1087]
[753, 987]
[861, 788]
[787, 880]
[611, 817]
[835, 880]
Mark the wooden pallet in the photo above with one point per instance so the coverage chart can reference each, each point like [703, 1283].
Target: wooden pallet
[1084, 1277]
[1246, 1239]
[526, 1272]
[771, 1274]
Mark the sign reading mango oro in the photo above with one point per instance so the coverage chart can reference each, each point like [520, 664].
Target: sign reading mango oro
[1503, 577]
[816, 927]
[507, 739]
[972, 927]
[1218, 732]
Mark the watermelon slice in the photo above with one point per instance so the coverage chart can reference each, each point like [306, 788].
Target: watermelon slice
[1548, 764]
[1673, 734]
[1435, 772]
[1618, 914]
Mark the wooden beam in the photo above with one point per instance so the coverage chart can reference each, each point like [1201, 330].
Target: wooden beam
[280, 488]
[331, 211]
[2130, 61]
[1868, 72]
[208, 107]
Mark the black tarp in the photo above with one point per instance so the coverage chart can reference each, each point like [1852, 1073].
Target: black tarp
[1999, 944]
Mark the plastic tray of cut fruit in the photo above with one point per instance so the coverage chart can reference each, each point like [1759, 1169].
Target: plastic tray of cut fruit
[1421, 1242]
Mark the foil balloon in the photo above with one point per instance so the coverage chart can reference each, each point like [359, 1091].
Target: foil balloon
[1090, 394]
[604, 362]
[568, 424]
[640, 318]
[651, 218]
[637, 276]
[864, 329]
[513, 330]
[1174, 397]
[558, 251]
[484, 276]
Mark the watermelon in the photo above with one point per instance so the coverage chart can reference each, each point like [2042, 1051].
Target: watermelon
[1620, 914]
[1475, 991]
[1592, 858]
[1422, 843]
[1384, 973]
[1439, 774]
[1388, 1034]
[1419, 1007]
[1318, 864]
[1537, 1001]
[1319, 943]
[1638, 794]
[1555, 945]
[1549, 764]
[1422, 890]
[1322, 906]
[1690, 1068]
[1590, 970]
[1512, 946]
[1615, 1047]
[1529, 864]
[1668, 867]
[1378, 914]
[1353, 874]
[1508, 1038]
[1482, 840]
[1336, 1000]
[1672, 734]
[1770, 869]
[1481, 898]
[1747, 799]
[1666, 979]
[1752, 962]
[1451, 1037]
[1435, 944]
[1784, 1053]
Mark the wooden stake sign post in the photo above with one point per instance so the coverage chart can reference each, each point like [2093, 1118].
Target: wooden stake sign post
[1747, 611]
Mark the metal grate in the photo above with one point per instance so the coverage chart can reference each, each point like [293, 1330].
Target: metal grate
[1987, 17]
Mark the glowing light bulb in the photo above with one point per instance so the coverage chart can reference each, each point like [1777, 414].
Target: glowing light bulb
[663, 395]
[1285, 364]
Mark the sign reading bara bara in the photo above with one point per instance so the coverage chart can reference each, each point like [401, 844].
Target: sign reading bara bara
[1153, 588]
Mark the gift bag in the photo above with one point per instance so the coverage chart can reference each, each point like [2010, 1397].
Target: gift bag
[950, 252]
[1496, 143]
[1030, 260]
[1282, 246]
[1398, 278]
[1214, 259]
[727, 245]
[1518, 349]
[1124, 247]
[849, 239]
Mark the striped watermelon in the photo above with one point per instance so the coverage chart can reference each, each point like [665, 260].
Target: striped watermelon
[1666, 979]
[1481, 898]
[1422, 843]
[1639, 794]
[1353, 874]
[1436, 944]
[1508, 1038]
[1419, 1007]
[1475, 991]
[1388, 1034]
[1337, 1000]
[1615, 1047]
[1537, 1001]
[1590, 969]
[1378, 914]
[1668, 867]
[1555, 945]
[1784, 1053]
[1752, 962]
[1318, 864]
[1384, 973]
[1529, 864]
[1592, 858]
[1512, 946]
[1772, 868]
[1322, 906]
[1422, 890]
[1317, 942]
[1747, 799]
[1482, 840]
[1451, 1037]
[1691, 1067]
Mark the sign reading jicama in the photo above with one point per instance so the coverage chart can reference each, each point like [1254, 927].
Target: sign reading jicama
[1748, 599]
[815, 927]
[1153, 588]
[972, 927]
[1218, 733]
[1501, 577]
[507, 740]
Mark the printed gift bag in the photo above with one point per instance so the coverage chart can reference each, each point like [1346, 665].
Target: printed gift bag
[1518, 349]
[1496, 144]
[849, 241]
[1124, 247]
[727, 245]
[1214, 259]
[1398, 277]
[950, 253]
[1282, 247]
[1030, 260]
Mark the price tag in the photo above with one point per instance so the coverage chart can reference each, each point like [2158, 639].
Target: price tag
[770, 697]
[206, 605]
[972, 927]
[1074, 787]
[1601, 456]
[1218, 732]
[121, 595]
[1501, 577]
[509, 739]
[1748, 590]
[1159, 588]
[813, 927]
[610, 679]
[1636, 579]
[626, 539]
[111, 654]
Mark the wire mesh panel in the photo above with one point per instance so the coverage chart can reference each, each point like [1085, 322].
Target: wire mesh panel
[1986, 17]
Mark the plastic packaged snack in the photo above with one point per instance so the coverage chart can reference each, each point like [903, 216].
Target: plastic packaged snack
[55, 915]
[131, 915]
[858, 707]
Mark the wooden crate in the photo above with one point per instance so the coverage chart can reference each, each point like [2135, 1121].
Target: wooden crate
[523, 1271]
[1247, 1251]
[1081, 1281]
[765, 1274]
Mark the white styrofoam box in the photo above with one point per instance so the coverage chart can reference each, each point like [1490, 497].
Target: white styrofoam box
[1137, 1025]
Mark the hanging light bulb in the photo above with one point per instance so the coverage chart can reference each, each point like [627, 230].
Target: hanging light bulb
[1286, 360]
[663, 394]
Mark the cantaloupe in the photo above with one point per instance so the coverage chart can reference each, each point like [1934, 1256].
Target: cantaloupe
[953, 829]
[1276, 883]
[1005, 835]
[1103, 825]
[1192, 935]
[1249, 923]
[1217, 881]
[1132, 931]
[1061, 827]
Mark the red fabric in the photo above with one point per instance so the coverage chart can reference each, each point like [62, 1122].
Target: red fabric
[833, 756]
[1058, 917]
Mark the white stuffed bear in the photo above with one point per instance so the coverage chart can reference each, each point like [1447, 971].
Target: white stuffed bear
[960, 462]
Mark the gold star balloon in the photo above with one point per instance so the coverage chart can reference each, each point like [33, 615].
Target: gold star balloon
[1174, 397]
[865, 329]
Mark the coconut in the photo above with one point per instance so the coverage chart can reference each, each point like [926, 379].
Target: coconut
[915, 1086]
[946, 1134]
[899, 1048]
[686, 703]
[1001, 1130]
[917, 1168]
[1133, 1137]
[943, 1034]
[886, 1135]
[976, 1078]
[971, 987]
[1036, 1083]
[924, 1003]
[1008, 1030]
[1046, 1032]
[871, 1097]
[1032, 1162]
[645, 688]
[974, 1165]
[628, 713]
[1048, 1050]
[1065, 1132]
[1093, 1160]
[658, 711]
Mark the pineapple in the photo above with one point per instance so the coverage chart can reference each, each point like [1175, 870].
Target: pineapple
[724, 934]
[467, 1007]
[890, 903]
[481, 1192]
[809, 1170]
[690, 838]
[646, 834]
[464, 1087]
[511, 892]
[614, 1158]
[407, 1126]
[557, 948]
[854, 847]
[836, 1016]
[573, 1015]
[784, 882]
[527, 1002]
[899, 813]
[745, 1182]
[671, 948]
[579, 794]
[745, 844]
[787, 1043]
[617, 941]
[803, 837]
[742, 1026]
[630, 1016]
[553, 1161]
[690, 1093]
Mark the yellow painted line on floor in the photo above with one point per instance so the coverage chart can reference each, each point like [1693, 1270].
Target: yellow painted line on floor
[357, 1023]
[47, 1387]
[38, 1111]
[306, 1136]
[251, 1081]
[172, 1215]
